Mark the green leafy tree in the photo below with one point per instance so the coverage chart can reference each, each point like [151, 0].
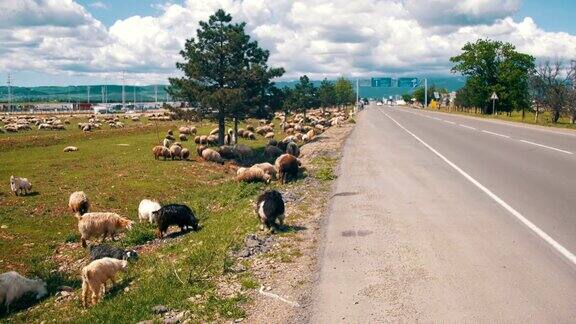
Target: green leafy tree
[327, 94]
[223, 70]
[305, 95]
[494, 66]
[345, 94]
[407, 97]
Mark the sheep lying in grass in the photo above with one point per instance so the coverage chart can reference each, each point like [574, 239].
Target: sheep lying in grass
[101, 224]
[78, 203]
[20, 185]
[70, 149]
[269, 208]
[268, 168]
[253, 174]
[146, 208]
[13, 286]
[96, 275]
[287, 166]
[107, 251]
[174, 214]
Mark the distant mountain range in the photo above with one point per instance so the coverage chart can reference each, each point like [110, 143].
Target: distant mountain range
[148, 93]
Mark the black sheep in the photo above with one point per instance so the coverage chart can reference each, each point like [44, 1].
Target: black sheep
[227, 152]
[272, 152]
[273, 142]
[108, 251]
[175, 214]
[269, 208]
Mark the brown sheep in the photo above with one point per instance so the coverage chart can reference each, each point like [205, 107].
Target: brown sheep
[199, 149]
[268, 168]
[183, 137]
[161, 151]
[197, 139]
[287, 166]
[101, 224]
[269, 135]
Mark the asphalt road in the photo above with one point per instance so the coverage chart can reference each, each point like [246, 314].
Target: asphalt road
[445, 218]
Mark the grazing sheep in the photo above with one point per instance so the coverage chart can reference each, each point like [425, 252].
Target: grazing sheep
[183, 137]
[214, 131]
[184, 130]
[101, 224]
[273, 142]
[310, 135]
[13, 286]
[241, 132]
[268, 168]
[145, 209]
[193, 130]
[269, 208]
[212, 156]
[227, 139]
[243, 151]
[250, 128]
[21, 185]
[197, 139]
[78, 203]
[159, 151]
[96, 275]
[170, 133]
[199, 149]
[254, 174]
[287, 166]
[212, 140]
[107, 251]
[227, 152]
[175, 214]
[175, 151]
[240, 171]
[272, 152]
[167, 142]
[203, 139]
[70, 149]
[251, 136]
[292, 149]
[184, 154]
[269, 135]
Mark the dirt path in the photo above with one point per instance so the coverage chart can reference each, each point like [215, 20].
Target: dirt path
[287, 272]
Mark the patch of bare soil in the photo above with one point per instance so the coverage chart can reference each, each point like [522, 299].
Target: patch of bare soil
[286, 272]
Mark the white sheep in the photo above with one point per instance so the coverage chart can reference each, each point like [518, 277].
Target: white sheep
[146, 209]
[21, 185]
[96, 275]
[13, 286]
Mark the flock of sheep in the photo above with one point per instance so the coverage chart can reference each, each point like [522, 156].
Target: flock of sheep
[107, 260]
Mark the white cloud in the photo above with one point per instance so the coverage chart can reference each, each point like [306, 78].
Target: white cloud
[99, 5]
[317, 37]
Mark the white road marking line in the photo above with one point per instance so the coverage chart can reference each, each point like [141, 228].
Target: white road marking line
[545, 146]
[469, 127]
[450, 122]
[557, 246]
[501, 135]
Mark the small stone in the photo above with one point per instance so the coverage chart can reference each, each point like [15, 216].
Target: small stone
[159, 309]
[127, 289]
[238, 320]
[146, 322]
[198, 296]
[268, 288]
[4, 226]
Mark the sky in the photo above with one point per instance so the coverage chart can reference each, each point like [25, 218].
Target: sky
[71, 42]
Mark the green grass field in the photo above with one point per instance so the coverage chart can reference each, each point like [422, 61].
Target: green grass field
[116, 169]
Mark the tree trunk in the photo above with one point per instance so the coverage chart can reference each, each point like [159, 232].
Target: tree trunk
[536, 116]
[556, 115]
[235, 130]
[523, 113]
[221, 128]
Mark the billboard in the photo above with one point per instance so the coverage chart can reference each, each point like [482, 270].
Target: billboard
[381, 82]
[408, 82]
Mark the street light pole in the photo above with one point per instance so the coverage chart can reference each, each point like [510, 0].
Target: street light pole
[425, 93]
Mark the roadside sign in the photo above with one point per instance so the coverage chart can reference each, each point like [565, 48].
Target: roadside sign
[436, 95]
[494, 96]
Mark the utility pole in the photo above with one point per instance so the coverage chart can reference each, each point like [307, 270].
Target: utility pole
[425, 93]
[134, 98]
[155, 96]
[123, 95]
[88, 90]
[9, 92]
